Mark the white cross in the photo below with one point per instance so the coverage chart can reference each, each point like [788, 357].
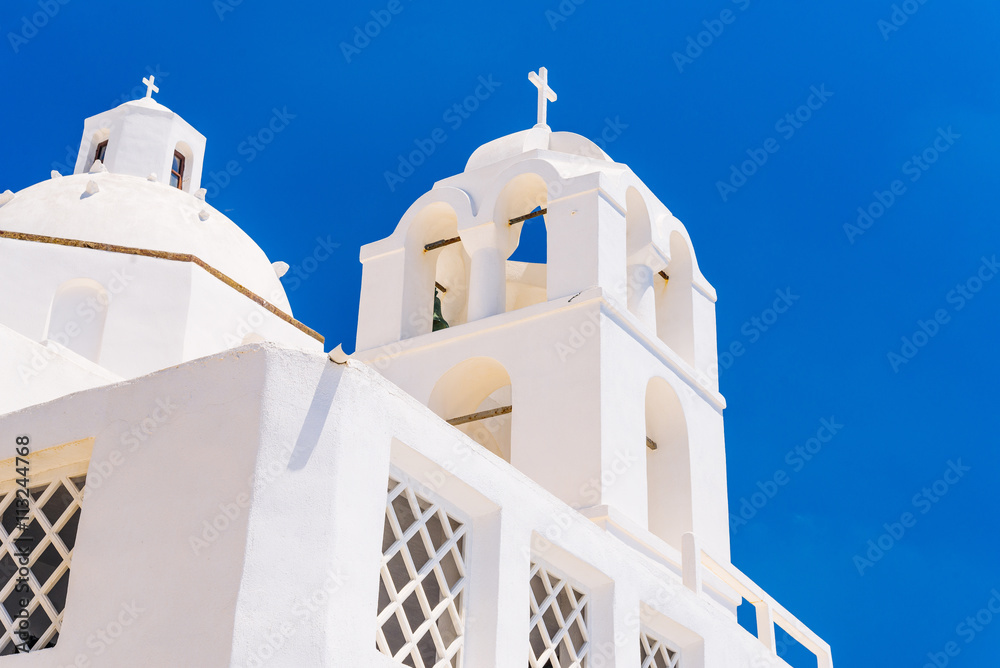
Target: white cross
[150, 87]
[545, 94]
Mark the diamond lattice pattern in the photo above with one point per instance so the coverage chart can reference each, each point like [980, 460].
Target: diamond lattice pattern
[558, 634]
[420, 618]
[656, 654]
[49, 534]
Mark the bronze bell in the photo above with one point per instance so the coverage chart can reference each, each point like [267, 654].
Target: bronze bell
[439, 321]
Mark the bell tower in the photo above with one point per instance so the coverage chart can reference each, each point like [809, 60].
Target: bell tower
[594, 372]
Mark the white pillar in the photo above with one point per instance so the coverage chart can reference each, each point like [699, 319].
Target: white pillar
[488, 273]
[586, 246]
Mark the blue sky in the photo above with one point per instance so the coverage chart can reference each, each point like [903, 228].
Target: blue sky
[893, 111]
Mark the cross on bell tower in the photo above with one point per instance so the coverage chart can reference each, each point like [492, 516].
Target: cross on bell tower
[150, 86]
[545, 94]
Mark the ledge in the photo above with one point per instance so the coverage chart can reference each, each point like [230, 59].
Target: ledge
[166, 255]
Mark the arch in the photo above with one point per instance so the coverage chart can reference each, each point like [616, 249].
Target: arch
[640, 258]
[424, 270]
[77, 315]
[397, 297]
[475, 385]
[675, 300]
[186, 166]
[668, 467]
[451, 280]
[102, 136]
[526, 282]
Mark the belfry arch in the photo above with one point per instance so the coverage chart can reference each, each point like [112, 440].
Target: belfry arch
[471, 389]
[675, 300]
[433, 270]
[668, 463]
[523, 196]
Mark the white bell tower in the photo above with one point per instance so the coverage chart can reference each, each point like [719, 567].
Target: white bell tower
[593, 373]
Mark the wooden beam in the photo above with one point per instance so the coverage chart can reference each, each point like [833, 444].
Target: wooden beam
[651, 444]
[482, 415]
[441, 244]
[165, 255]
[440, 287]
[533, 214]
[664, 275]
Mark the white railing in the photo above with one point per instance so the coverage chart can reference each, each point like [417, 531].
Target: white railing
[769, 611]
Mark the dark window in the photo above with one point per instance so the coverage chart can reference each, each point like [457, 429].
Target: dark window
[102, 150]
[177, 171]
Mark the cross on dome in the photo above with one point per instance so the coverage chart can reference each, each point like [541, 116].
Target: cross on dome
[150, 86]
[545, 94]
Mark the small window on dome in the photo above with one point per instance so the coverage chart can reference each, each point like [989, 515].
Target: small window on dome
[102, 150]
[177, 171]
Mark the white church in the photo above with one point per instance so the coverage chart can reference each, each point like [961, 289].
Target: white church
[522, 464]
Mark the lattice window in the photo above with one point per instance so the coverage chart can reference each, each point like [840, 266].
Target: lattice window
[656, 653]
[421, 618]
[47, 534]
[558, 633]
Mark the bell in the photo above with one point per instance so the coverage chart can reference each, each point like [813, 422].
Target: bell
[439, 321]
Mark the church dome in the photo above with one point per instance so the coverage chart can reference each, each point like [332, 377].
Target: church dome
[138, 213]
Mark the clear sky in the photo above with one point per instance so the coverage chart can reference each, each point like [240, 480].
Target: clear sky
[891, 110]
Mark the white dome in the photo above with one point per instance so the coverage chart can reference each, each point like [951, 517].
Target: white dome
[137, 213]
[534, 139]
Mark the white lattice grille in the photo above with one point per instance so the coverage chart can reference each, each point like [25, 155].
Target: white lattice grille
[49, 532]
[656, 653]
[421, 616]
[558, 634]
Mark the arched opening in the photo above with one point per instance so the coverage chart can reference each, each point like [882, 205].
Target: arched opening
[675, 300]
[98, 149]
[76, 318]
[180, 164]
[638, 250]
[451, 287]
[521, 207]
[476, 397]
[668, 464]
[436, 273]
